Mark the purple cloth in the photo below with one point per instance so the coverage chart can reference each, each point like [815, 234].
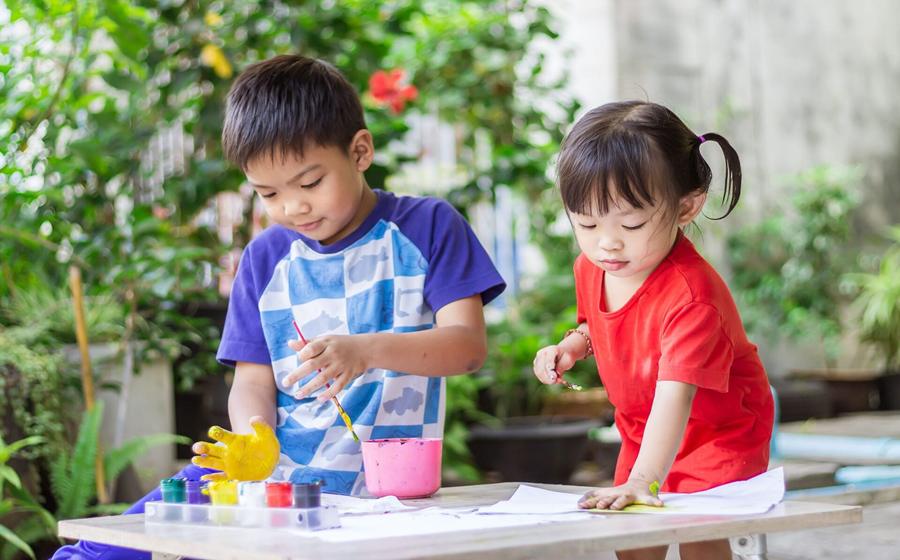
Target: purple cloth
[84, 550]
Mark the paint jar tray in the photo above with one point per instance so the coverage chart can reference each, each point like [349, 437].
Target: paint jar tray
[309, 519]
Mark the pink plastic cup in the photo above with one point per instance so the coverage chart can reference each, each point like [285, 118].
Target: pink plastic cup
[403, 467]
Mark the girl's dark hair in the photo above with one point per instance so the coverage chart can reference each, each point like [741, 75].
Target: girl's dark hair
[281, 105]
[638, 150]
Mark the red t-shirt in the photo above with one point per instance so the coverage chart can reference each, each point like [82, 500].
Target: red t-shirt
[682, 325]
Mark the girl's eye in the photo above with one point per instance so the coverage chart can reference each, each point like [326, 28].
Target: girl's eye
[313, 184]
[632, 228]
[268, 195]
[587, 226]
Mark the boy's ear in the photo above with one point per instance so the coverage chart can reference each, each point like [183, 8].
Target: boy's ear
[362, 149]
[690, 206]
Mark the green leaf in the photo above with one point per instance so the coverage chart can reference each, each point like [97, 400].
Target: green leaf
[9, 474]
[117, 459]
[17, 542]
[81, 484]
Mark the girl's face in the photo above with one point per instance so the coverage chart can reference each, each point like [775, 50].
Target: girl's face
[629, 243]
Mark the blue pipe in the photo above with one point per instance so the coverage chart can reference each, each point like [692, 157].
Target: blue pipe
[841, 489]
[846, 449]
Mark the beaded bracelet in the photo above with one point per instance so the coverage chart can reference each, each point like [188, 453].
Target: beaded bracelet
[587, 339]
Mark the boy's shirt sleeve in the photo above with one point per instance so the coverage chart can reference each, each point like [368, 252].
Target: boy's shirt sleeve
[458, 266]
[695, 348]
[242, 338]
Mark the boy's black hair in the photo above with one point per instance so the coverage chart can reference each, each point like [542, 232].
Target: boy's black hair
[281, 105]
[638, 151]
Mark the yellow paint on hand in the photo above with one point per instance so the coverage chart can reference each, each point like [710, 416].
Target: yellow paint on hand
[243, 456]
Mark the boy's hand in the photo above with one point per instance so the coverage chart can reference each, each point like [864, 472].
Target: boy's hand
[243, 457]
[339, 358]
[634, 491]
[551, 362]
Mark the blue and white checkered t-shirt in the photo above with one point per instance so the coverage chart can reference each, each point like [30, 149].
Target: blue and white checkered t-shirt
[410, 257]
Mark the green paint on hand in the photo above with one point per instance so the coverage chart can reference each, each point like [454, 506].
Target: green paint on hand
[654, 488]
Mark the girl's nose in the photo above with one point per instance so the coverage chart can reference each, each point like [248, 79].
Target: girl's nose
[609, 243]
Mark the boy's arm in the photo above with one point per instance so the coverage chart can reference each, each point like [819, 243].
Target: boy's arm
[252, 394]
[457, 344]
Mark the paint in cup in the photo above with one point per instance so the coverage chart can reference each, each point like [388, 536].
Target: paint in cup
[403, 467]
[172, 490]
[309, 498]
[222, 493]
[251, 498]
[196, 512]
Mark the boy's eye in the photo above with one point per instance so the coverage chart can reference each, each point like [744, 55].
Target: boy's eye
[313, 184]
[632, 228]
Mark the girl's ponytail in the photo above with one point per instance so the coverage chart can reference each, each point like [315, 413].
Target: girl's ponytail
[732, 192]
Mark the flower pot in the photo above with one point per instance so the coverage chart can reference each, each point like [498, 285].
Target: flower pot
[532, 448]
[589, 403]
[849, 390]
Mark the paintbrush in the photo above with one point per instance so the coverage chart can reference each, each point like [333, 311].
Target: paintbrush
[565, 383]
[340, 408]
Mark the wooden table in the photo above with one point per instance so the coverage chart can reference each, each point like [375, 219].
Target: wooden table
[577, 539]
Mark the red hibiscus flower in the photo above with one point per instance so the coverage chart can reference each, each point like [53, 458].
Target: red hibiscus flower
[386, 89]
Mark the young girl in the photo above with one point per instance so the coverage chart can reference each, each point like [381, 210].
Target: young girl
[692, 400]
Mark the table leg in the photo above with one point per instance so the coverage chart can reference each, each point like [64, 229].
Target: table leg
[750, 547]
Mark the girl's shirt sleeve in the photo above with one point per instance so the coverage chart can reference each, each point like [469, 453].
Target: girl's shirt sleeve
[695, 348]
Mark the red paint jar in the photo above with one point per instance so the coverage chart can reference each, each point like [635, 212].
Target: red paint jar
[279, 494]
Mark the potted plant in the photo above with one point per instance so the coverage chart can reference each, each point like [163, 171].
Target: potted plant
[786, 273]
[878, 306]
[518, 442]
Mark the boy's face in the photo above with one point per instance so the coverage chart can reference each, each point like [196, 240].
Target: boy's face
[321, 194]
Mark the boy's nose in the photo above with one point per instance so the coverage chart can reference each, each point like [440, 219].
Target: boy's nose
[296, 207]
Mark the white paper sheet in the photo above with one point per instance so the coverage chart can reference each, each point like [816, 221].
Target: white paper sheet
[433, 521]
[756, 495]
[349, 505]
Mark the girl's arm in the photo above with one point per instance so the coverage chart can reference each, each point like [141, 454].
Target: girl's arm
[457, 345]
[661, 441]
[665, 428]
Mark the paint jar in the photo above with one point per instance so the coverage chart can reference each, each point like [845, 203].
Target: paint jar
[279, 495]
[194, 490]
[308, 497]
[172, 490]
[252, 499]
[403, 467]
[196, 511]
[223, 495]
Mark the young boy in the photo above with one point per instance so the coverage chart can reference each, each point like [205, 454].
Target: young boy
[388, 290]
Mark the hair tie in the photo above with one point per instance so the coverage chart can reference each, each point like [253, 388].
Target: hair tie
[701, 139]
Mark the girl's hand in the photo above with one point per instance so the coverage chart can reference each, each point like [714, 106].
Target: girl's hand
[243, 456]
[634, 491]
[340, 359]
[551, 362]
